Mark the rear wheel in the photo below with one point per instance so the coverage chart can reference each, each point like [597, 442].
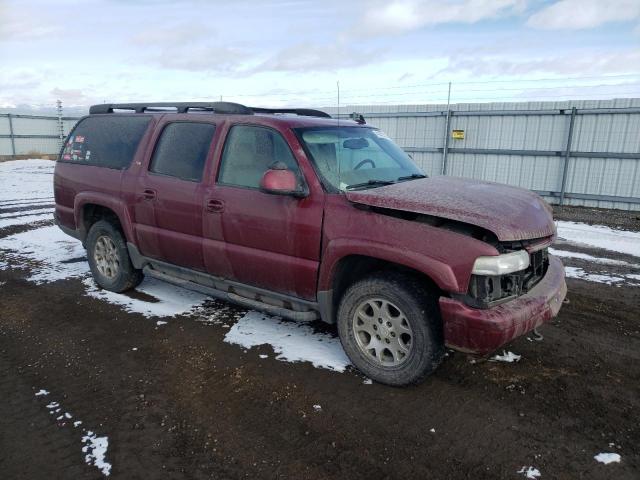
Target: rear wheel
[390, 328]
[109, 258]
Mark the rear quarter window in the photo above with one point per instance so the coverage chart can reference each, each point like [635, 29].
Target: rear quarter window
[105, 141]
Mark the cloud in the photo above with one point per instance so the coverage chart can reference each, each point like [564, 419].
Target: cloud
[586, 62]
[202, 58]
[25, 24]
[402, 16]
[19, 80]
[309, 57]
[70, 96]
[582, 14]
[174, 35]
[188, 46]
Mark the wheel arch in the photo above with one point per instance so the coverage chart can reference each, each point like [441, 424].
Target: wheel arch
[352, 267]
[91, 208]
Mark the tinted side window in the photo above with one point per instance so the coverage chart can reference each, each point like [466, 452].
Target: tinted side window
[106, 141]
[249, 152]
[182, 150]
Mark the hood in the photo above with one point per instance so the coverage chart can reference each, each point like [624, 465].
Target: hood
[511, 213]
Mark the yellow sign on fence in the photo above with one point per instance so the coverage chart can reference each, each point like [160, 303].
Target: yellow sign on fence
[457, 134]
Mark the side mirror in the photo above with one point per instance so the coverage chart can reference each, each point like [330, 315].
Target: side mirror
[277, 181]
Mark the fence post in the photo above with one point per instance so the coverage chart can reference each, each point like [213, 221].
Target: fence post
[60, 124]
[13, 140]
[445, 149]
[567, 156]
[447, 124]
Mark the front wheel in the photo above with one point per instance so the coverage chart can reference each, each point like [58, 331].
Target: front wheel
[390, 328]
[109, 258]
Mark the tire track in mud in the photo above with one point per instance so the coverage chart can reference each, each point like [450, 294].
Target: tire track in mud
[33, 445]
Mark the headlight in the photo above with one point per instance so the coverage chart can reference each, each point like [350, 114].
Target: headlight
[501, 264]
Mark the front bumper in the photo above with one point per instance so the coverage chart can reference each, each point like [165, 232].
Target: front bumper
[483, 331]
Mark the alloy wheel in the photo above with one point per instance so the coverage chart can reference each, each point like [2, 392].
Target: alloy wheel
[382, 332]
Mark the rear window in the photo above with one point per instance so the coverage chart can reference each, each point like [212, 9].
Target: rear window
[106, 141]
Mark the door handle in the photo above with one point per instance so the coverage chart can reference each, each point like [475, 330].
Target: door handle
[149, 194]
[215, 206]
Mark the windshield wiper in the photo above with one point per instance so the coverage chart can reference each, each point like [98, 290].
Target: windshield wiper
[411, 177]
[373, 183]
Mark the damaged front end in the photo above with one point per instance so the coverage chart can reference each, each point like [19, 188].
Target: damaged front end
[490, 286]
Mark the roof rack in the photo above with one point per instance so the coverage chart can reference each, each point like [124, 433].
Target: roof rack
[214, 107]
[305, 112]
[181, 107]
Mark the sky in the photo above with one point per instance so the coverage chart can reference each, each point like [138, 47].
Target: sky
[298, 52]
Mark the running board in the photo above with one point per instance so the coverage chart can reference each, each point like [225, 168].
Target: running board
[302, 316]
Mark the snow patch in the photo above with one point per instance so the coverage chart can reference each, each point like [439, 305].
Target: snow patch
[170, 299]
[30, 203]
[599, 236]
[95, 447]
[292, 342]
[508, 357]
[607, 458]
[96, 450]
[55, 255]
[577, 272]
[26, 213]
[530, 472]
[24, 220]
[26, 180]
[589, 258]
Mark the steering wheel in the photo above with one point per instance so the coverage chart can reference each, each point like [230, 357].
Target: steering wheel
[364, 162]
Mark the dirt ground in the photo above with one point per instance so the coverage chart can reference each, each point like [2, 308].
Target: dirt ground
[186, 404]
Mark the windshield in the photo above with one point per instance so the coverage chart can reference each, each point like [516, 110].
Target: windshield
[350, 158]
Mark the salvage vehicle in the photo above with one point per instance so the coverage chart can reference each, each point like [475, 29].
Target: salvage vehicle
[306, 217]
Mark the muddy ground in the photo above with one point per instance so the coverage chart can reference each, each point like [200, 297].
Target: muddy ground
[186, 404]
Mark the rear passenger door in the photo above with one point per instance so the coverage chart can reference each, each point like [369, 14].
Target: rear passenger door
[169, 194]
[270, 241]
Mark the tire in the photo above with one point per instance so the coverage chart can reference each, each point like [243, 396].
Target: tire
[409, 346]
[109, 258]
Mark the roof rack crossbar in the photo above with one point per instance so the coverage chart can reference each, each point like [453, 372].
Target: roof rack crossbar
[181, 107]
[306, 112]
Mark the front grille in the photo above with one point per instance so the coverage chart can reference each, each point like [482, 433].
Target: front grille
[487, 291]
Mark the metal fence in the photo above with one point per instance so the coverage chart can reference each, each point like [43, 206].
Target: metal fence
[32, 135]
[579, 153]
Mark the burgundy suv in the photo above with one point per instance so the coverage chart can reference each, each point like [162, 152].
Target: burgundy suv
[306, 217]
